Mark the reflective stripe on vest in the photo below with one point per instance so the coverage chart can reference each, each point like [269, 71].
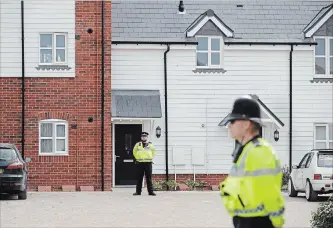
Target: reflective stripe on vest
[239, 171]
[246, 211]
[144, 160]
[258, 209]
[278, 213]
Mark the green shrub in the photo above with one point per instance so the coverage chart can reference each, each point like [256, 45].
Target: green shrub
[285, 177]
[172, 184]
[190, 183]
[195, 184]
[162, 185]
[202, 184]
[323, 216]
[159, 185]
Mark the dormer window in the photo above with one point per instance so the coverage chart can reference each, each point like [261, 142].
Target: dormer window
[209, 31]
[320, 29]
[324, 56]
[209, 52]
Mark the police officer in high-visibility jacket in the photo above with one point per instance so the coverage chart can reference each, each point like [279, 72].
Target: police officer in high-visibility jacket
[144, 153]
[252, 191]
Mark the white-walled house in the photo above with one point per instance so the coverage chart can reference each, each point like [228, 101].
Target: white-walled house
[49, 27]
[199, 61]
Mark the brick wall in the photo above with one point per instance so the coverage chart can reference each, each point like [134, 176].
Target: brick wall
[73, 99]
[10, 111]
[212, 179]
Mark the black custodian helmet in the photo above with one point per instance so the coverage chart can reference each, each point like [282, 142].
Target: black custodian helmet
[244, 108]
[144, 133]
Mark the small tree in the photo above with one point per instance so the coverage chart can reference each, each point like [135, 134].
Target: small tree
[323, 216]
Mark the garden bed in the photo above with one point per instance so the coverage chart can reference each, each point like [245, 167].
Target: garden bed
[187, 185]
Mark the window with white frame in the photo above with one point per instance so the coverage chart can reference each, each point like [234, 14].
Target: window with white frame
[324, 56]
[209, 51]
[323, 137]
[53, 49]
[53, 137]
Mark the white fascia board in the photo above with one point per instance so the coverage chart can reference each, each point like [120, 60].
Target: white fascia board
[315, 28]
[194, 30]
[270, 116]
[134, 118]
[224, 29]
[153, 47]
[286, 47]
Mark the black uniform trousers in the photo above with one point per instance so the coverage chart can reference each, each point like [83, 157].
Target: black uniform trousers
[254, 222]
[144, 169]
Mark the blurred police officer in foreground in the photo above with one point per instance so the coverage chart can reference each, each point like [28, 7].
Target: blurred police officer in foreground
[144, 152]
[252, 191]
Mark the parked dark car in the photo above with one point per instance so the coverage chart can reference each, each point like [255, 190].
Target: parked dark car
[13, 171]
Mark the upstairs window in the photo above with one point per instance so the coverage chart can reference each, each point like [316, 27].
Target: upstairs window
[324, 56]
[209, 52]
[53, 49]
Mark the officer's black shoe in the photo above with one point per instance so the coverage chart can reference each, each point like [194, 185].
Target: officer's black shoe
[136, 194]
[152, 194]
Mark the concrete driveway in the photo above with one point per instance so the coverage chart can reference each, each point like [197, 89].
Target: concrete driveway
[121, 209]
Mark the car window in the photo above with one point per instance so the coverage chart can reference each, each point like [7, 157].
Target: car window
[303, 161]
[325, 159]
[7, 154]
[307, 165]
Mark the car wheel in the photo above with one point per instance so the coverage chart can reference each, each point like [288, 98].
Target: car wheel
[310, 195]
[22, 195]
[291, 190]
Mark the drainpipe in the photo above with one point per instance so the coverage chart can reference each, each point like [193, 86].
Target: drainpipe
[22, 79]
[166, 114]
[102, 101]
[290, 104]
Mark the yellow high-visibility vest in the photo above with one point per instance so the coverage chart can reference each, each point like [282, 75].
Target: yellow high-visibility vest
[144, 154]
[253, 187]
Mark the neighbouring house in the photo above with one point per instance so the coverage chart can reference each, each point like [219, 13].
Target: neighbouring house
[51, 90]
[178, 72]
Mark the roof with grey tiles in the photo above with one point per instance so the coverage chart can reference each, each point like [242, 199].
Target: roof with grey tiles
[257, 20]
[136, 104]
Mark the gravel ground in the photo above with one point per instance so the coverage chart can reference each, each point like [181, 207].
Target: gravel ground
[121, 209]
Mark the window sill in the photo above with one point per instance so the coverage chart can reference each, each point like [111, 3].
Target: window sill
[209, 70]
[53, 67]
[53, 154]
[322, 80]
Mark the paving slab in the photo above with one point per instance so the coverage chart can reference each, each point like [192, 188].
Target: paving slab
[121, 209]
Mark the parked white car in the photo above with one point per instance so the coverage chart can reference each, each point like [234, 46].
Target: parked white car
[313, 175]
